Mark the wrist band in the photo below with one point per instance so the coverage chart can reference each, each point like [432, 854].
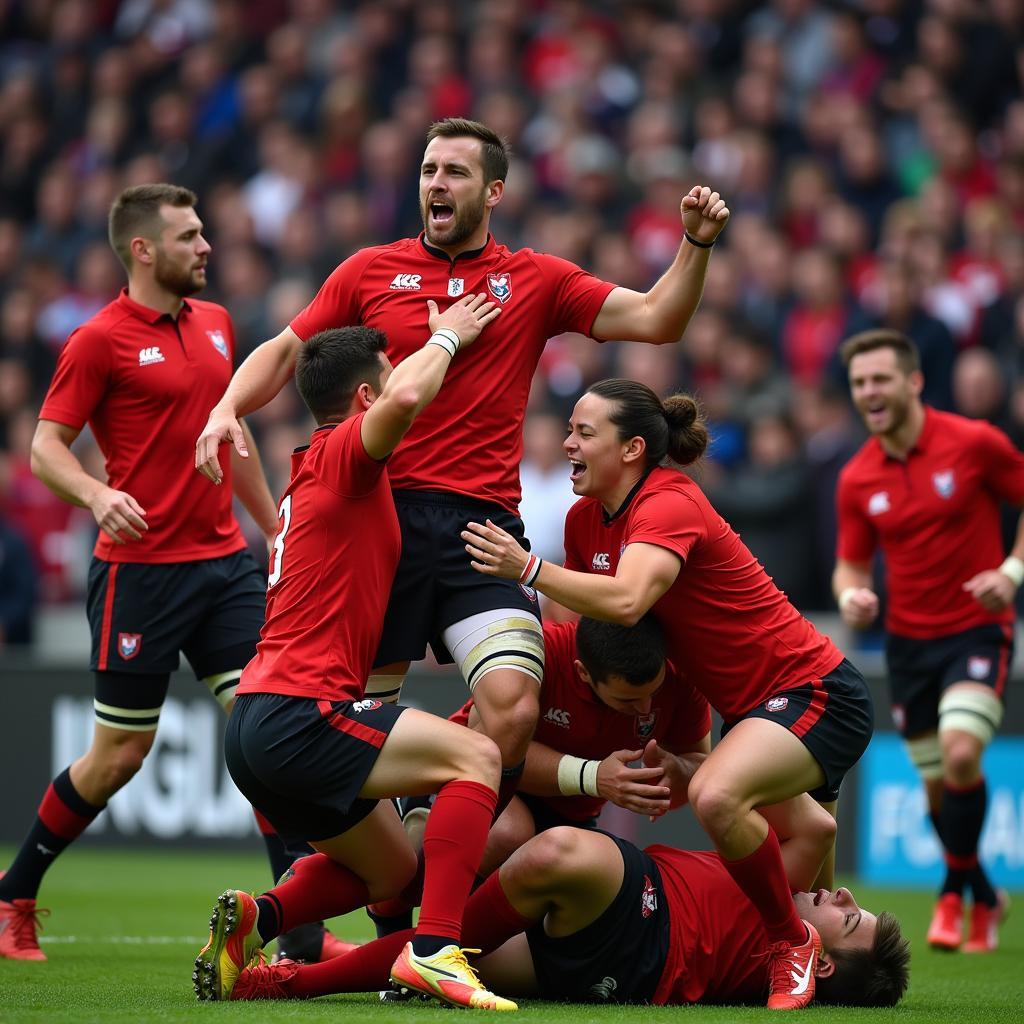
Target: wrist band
[447, 339]
[577, 776]
[700, 245]
[1014, 568]
[844, 596]
[531, 570]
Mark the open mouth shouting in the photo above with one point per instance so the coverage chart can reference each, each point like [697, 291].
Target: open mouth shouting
[576, 469]
[440, 213]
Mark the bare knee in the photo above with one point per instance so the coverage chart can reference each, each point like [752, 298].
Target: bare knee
[106, 769]
[478, 759]
[961, 760]
[391, 873]
[717, 808]
[549, 855]
[510, 715]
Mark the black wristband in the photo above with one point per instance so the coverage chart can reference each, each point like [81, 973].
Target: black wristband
[693, 241]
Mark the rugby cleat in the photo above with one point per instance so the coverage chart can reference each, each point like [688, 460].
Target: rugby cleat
[446, 976]
[19, 930]
[234, 942]
[945, 930]
[791, 972]
[983, 936]
[265, 981]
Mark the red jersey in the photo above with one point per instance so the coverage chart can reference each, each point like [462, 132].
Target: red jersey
[145, 383]
[574, 721]
[470, 439]
[330, 571]
[936, 519]
[716, 936]
[728, 628]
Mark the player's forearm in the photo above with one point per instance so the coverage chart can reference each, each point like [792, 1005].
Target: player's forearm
[250, 485]
[58, 467]
[261, 376]
[674, 298]
[599, 597]
[540, 774]
[846, 576]
[416, 381]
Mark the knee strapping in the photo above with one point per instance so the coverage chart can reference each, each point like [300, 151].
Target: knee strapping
[504, 638]
[223, 685]
[926, 754]
[976, 712]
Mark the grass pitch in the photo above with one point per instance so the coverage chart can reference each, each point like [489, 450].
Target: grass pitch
[127, 926]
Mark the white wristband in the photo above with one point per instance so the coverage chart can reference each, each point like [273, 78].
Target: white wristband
[446, 339]
[844, 597]
[577, 776]
[1014, 568]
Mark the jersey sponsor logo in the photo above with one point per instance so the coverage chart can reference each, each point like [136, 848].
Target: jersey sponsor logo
[219, 342]
[603, 989]
[128, 645]
[366, 705]
[878, 503]
[944, 483]
[645, 724]
[602, 562]
[150, 355]
[500, 286]
[979, 667]
[456, 286]
[648, 898]
[406, 283]
[776, 704]
[556, 716]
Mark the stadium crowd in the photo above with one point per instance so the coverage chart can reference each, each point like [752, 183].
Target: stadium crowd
[871, 152]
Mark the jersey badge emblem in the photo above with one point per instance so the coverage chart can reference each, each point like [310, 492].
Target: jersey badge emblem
[365, 705]
[944, 483]
[500, 286]
[648, 898]
[776, 704]
[406, 283]
[645, 724]
[456, 286]
[150, 355]
[529, 593]
[979, 668]
[878, 503]
[218, 342]
[128, 645]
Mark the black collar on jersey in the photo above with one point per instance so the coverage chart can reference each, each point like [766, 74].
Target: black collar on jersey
[469, 254]
[323, 426]
[147, 313]
[606, 519]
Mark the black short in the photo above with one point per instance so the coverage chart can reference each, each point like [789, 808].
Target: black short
[833, 717]
[545, 816]
[435, 586]
[301, 762]
[619, 957]
[143, 616]
[920, 671]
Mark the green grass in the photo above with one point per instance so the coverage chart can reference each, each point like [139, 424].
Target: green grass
[126, 927]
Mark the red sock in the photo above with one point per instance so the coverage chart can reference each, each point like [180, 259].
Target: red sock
[762, 877]
[318, 888]
[490, 919]
[452, 847]
[366, 969]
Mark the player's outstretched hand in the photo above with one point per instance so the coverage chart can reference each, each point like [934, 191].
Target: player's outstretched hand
[117, 513]
[494, 552]
[858, 606]
[220, 428]
[704, 213]
[992, 589]
[676, 770]
[467, 317]
[635, 789]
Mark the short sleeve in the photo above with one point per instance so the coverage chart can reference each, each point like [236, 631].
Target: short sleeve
[346, 467]
[668, 520]
[856, 539]
[81, 380]
[337, 302]
[573, 559]
[577, 296]
[1003, 465]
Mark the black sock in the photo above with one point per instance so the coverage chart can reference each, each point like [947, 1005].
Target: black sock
[428, 945]
[389, 925]
[960, 821]
[268, 923]
[510, 778]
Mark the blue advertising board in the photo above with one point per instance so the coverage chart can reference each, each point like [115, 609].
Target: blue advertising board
[896, 844]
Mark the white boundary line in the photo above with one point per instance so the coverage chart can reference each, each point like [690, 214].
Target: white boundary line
[123, 940]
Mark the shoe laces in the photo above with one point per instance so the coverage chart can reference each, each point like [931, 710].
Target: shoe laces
[264, 980]
[25, 924]
[456, 958]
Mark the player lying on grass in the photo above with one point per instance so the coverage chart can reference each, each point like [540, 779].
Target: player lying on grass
[587, 917]
[310, 753]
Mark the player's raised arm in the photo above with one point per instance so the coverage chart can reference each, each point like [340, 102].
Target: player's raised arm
[416, 380]
[660, 315]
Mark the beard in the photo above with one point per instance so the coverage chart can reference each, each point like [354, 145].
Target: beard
[176, 280]
[466, 220]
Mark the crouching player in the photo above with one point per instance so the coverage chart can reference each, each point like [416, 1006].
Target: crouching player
[302, 743]
[587, 917]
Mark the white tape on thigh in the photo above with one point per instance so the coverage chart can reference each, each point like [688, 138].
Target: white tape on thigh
[501, 638]
[223, 685]
[926, 754]
[974, 711]
[387, 689]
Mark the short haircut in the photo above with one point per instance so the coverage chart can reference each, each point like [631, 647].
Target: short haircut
[907, 356]
[136, 212]
[333, 363]
[494, 149]
[869, 977]
[636, 653]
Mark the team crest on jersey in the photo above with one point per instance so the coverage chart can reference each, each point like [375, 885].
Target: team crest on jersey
[978, 667]
[944, 483]
[776, 704]
[366, 705]
[878, 503]
[219, 343]
[648, 898]
[529, 593]
[456, 286]
[645, 724]
[128, 645]
[500, 286]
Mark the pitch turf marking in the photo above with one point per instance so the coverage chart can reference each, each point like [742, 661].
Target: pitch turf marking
[124, 940]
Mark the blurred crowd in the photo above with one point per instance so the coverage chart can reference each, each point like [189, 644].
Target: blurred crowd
[871, 152]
